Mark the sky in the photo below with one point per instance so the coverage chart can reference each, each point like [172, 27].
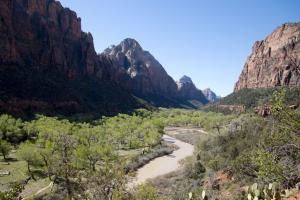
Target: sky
[207, 40]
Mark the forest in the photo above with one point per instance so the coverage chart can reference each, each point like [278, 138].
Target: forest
[97, 158]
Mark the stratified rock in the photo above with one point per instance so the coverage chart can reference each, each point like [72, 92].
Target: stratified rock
[188, 91]
[210, 95]
[274, 61]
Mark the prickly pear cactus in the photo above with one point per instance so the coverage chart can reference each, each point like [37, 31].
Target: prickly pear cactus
[204, 197]
[267, 192]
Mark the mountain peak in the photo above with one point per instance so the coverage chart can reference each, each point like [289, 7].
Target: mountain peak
[130, 43]
[210, 95]
[189, 91]
[207, 89]
[185, 79]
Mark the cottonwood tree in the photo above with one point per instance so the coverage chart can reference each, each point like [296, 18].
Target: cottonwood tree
[29, 153]
[5, 148]
[47, 155]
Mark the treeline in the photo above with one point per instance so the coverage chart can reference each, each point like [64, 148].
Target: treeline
[208, 121]
[251, 98]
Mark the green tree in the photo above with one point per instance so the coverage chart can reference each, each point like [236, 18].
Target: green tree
[90, 155]
[63, 167]
[5, 148]
[29, 152]
[11, 129]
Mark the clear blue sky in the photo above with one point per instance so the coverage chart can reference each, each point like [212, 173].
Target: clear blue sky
[208, 40]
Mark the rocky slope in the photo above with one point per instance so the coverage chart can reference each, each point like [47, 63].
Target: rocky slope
[48, 64]
[138, 71]
[210, 95]
[274, 61]
[145, 75]
[188, 91]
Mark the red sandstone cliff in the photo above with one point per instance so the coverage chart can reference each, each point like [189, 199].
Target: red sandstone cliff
[274, 61]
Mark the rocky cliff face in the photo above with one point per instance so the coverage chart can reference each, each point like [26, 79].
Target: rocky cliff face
[49, 65]
[188, 91]
[210, 95]
[41, 33]
[138, 71]
[274, 61]
[47, 62]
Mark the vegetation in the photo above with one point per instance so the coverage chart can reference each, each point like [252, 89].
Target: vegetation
[92, 159]
[5, 148]
[246, 149]
[70, 153]
[255, 97]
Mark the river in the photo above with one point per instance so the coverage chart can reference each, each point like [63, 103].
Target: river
[165, 164]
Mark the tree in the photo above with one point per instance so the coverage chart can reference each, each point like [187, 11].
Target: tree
[109, 182]
[5, 148]
[11, 129]
[63, 169]
[29, 153]
[47, 157]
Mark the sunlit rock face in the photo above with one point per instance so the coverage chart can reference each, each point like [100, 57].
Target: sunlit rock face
[274, 61]
[210, 95]
[139, 71]
[187, 90]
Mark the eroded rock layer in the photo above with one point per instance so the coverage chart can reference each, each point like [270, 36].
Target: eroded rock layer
[274, 61]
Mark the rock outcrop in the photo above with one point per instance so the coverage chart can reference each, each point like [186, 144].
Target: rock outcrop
[48, 63]
[46, 36]
[210, 95]
[138, 71]
[188, 91]
[274, 61]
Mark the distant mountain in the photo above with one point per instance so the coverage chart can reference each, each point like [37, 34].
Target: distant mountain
[210, 95]
[274, 61]
[188, 91]
[138, 71]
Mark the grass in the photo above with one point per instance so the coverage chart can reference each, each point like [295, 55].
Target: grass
[18, 173]
[17, 169]
[186, 134]
[127, 154]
